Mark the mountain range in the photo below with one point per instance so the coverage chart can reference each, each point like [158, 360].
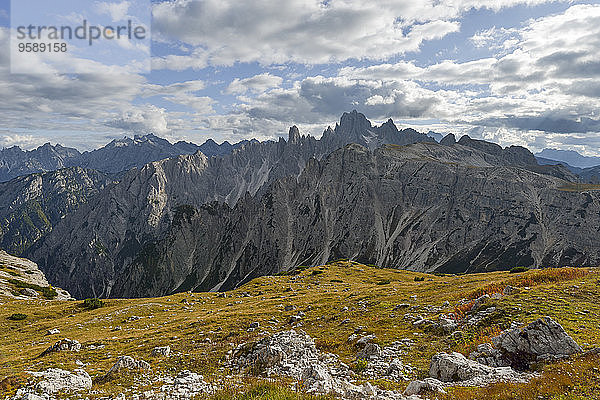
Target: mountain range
[375, 194]
[569, 157]
[117, 156]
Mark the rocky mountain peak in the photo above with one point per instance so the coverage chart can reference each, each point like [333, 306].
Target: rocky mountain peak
[353, 123]
[448, 140]
[294, 134]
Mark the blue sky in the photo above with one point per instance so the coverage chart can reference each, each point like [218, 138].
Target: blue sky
[523, 72]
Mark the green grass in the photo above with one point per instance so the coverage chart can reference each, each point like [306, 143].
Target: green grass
[266, 391]
[570, 296]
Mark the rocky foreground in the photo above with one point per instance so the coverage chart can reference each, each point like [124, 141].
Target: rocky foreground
[342, 330]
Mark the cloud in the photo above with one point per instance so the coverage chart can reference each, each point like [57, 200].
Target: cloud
[256, 84]
[117, 11]
[174, 62]
[146, 119]
[25, 142]
[493, 38]
[303, 31]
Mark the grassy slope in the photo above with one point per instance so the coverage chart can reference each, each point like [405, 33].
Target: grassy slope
[186, 322]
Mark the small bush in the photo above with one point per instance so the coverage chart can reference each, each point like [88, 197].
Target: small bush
[17, 317]
[517, 270]
[384, 282]
[359, 366]
[419, 279]
[337, 281]
[93, 303]
[316, 272]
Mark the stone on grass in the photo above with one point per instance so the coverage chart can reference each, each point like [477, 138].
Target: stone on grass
[427, 384]
[455, 367]
[63, 345]
[55, 380]
[163, 351]
[129, 363]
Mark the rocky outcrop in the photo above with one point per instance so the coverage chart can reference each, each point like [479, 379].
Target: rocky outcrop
[186, 385]
[541, 341]
[55, 380]
[126, 363]
[293, 354]
[455, 367]
[63, 345]
[163, 351]
[22, 279]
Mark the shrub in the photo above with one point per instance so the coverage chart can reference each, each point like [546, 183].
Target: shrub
[517, 270]
[92, 303]
[316, 272]
[419, 279]
[337, 281]
[359, 366]
[383, 282]
[17, 317]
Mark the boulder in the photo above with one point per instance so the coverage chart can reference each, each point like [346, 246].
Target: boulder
[427, 384]
[127, 362]
[63, 345]
[363, 341]
[29, 292]
[541, 340]
[455, 367]
[371, 350]
[447, 325]
[164, 351]
[55, 380]
[488, 355]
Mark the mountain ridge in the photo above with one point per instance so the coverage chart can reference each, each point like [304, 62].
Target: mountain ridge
[193, 222]
[115, 157]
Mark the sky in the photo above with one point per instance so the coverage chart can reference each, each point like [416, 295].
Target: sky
[516, 72]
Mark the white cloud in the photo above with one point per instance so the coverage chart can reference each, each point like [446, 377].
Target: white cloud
[25, 142]
[117, 11]
[256, 84]
[146, 119]
[174, 62]
[493, 38]
[307, 31]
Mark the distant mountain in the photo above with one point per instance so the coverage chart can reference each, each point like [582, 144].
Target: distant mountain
[569, 157]
[124, 154]
[117, 156]
[16, 162]
[30, 206]
[197, 223]
[210, 148]
[436, 136]
[585, 175]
